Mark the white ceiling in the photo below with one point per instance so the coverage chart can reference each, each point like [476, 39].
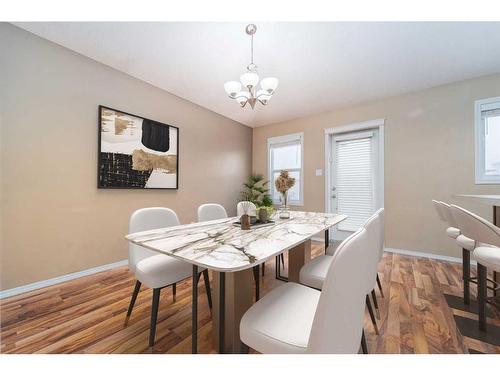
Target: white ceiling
[321, 66]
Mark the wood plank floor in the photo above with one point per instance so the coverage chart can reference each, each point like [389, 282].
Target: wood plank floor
[87, 315]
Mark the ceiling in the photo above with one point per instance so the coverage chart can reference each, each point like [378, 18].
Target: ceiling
[321, 66]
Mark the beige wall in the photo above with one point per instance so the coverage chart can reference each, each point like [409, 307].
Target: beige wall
[429, 153]
[55, 219]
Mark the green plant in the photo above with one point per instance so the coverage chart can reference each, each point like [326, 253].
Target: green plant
[256, 191]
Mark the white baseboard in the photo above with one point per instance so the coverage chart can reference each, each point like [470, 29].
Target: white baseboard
[421, 254]
[56, 280]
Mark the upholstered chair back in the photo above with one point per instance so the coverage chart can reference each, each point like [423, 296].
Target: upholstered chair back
[374, 227]
[148, 219]
[338, 321]
[211, 211]
[381, 235]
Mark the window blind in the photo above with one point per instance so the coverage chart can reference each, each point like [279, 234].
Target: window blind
[354, 181]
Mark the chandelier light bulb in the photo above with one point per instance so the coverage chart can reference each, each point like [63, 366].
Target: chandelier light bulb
[232, 88]
[263, 96]
[249, 79]
[269, 84]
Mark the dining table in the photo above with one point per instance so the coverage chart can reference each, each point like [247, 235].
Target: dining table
[233, 255]
[494, 202]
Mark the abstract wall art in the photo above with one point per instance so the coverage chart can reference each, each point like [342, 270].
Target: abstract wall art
[136, 153]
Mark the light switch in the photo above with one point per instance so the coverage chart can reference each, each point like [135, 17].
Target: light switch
[319, 172]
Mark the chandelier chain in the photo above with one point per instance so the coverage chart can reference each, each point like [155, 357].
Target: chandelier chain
[251, 48]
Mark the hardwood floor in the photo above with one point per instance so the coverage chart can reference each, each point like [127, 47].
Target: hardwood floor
[87, 315]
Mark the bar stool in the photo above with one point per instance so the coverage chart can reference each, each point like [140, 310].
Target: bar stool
[467, 244]
[487, 254]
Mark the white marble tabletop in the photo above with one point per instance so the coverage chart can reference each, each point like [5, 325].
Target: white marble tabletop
[493, 200]
[222, 246]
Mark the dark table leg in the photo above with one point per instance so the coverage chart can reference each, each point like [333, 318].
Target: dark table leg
[194, 316]
[257, 282]
[327, 239]
[222, 310]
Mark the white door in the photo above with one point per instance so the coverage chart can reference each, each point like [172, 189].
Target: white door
[356, 187]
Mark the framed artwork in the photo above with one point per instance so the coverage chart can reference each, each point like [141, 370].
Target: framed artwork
[136, 152]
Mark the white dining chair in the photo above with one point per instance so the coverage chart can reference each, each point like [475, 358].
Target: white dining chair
[486, 253]
[253, 212]
[467, 244]
[154, 270]
[314, 272]
[332, 247]
[295, 319]
[211, 211]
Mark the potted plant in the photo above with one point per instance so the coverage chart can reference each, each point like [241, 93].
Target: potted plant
[256, 191]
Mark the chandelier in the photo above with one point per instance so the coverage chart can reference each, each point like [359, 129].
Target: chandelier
[250, 93]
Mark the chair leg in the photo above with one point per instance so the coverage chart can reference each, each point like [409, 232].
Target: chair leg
[363, 343]
[380, 286]
[257, 282]
[375, 303]
[372, 315]
[206, 279]
[282, 257]
[481, 295]
[154, 315]
[466, 275]
[263, 270]
[174, 290]
[137, 287]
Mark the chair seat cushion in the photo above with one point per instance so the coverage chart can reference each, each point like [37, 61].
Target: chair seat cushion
[313, 273]
[281, 321]
[488, 256]
[162, 270]
[453, 232]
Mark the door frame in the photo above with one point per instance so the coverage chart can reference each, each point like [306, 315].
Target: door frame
[358, 126]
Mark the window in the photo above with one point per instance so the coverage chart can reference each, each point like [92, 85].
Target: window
[286, 153]
[487, 142]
